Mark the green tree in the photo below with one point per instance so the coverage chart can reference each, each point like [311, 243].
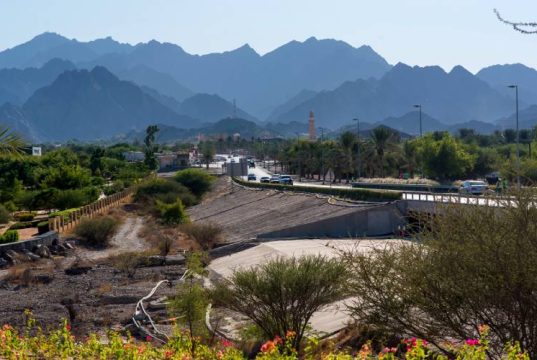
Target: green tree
[191, 301]
[207, 152]
[445, 157]
[150, 147]
[196, 180]
[283, 294]
[382, 139]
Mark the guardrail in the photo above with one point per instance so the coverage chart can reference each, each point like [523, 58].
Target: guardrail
[485, 200]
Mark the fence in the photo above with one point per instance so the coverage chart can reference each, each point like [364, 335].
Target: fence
[70, 221]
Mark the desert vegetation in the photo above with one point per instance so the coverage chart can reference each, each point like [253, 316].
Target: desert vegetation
[97, 231]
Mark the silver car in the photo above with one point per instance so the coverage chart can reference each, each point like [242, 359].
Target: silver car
[473, 187]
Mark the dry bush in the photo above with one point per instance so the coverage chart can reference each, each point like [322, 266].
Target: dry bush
[97, 231]
[167, 238]
[129, 262]
[470, 265]
[206, 235]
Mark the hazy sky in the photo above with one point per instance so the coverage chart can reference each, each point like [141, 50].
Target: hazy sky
[417, 32]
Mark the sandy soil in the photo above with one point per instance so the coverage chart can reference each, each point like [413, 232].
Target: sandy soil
[126, 239]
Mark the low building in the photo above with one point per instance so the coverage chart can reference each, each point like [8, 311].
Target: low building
[173, 161]
[134, 156]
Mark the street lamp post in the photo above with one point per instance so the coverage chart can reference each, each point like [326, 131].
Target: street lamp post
[517, 137]
[358, 158]
[298, 157]
[322, 154]
[418, 106]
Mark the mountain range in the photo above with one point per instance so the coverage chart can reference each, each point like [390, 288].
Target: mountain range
[53, 89]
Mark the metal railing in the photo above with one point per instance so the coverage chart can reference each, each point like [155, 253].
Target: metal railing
[449, 198]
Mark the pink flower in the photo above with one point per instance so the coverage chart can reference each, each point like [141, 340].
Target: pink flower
[226, 343]
[219, 354]
[387, 350]
[68, 327]
[277, 340]
[148, 338]
[472, 342]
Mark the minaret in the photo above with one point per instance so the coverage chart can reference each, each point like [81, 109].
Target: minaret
[311, 130]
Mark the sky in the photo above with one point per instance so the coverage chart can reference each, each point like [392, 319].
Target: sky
[416, 32]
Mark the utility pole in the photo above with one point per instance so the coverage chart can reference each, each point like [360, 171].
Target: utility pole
[358, 158]
[517, 138]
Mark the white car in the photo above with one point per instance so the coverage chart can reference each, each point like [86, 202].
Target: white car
[473, 187]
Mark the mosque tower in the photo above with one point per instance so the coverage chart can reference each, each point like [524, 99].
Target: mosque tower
[311, 130]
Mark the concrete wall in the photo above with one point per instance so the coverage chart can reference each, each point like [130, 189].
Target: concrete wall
[376, 221]
[50, 238]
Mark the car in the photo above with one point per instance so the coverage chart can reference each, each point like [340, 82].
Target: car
[275, 179]
[251, 164]
[252, 177]
[286, 179]
[473, 187]
[233, 160]
[264, 179]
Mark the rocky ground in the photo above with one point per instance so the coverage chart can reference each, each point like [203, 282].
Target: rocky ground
[85, 286]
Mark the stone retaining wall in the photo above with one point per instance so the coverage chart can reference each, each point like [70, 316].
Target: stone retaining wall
[47, 239]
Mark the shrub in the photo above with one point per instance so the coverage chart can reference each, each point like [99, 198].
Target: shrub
[4, 215]
[38, 199]
[164, 190]
[128, 262]
[73, 198]
[205, 234]
[172, 214]
[473, 265]
[9, 237]
[196, 180]
[116, 187]
[309, 283]
[42, 227]
[24, 216]
[351, 194]
[97, 231]
[22, 225]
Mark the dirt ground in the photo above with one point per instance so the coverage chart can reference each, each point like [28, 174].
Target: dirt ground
[94, 297]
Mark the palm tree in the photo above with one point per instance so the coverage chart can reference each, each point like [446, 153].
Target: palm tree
[10, 143]
[383, 138]
[347, 141]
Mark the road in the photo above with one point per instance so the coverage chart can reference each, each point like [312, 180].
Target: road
[413, 196]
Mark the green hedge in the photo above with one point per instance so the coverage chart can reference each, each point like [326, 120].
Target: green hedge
[64, 213]
[24, 216]
[352, 194]
[42, 227]
[9, 237]
[23, 225]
